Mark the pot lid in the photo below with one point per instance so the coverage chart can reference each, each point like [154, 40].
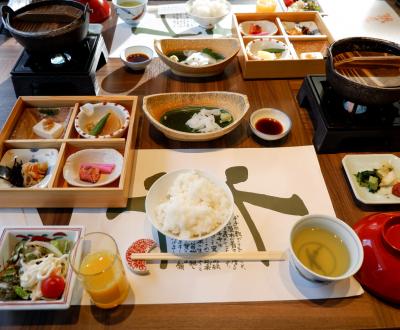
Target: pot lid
[380, 237]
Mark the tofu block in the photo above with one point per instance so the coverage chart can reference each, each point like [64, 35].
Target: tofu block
[48, 129]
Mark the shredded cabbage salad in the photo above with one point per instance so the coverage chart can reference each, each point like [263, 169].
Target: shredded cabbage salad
[31, 262]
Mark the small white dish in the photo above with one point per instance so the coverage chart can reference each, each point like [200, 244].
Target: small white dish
[336, 227]
[136, 66]
[273, 114]
[74, 161]
[353, 164]
[12, 235]
[256, 45]
[207, 22]
[30, 155]
[92, 113]
[268, 28]
[158, 194]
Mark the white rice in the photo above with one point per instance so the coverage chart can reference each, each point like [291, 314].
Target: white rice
[195, 206]
[209, 8]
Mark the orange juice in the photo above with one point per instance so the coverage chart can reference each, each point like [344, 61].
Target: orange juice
[104, 279]
[265, 6]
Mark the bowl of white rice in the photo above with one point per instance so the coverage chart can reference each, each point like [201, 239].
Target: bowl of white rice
[189, 205]
[208, 12]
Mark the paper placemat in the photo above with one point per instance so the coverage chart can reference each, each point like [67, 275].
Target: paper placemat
[272, 188]
[19, 218]
[179, 25]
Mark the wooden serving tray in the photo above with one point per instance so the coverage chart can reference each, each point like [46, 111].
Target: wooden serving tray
[59, 193]
[288, 68]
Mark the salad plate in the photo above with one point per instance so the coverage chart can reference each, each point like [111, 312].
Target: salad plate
[31, 155]
[53, 235]
[353, 164]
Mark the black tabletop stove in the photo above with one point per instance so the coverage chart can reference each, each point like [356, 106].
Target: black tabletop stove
[341, 125]
[69, 72]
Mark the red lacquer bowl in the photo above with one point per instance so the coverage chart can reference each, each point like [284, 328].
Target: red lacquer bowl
[380, 237]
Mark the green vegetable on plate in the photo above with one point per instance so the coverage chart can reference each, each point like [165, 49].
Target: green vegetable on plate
[369, 179]
[274, 50]
[96, 130]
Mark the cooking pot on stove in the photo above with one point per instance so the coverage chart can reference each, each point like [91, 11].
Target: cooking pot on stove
[358, 91]
[47, 26]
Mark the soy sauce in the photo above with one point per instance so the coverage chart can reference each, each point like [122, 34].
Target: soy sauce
[137, 57]
[269, 126]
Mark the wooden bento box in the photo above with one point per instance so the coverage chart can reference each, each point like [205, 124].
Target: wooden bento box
[297, 44]
[58, 193]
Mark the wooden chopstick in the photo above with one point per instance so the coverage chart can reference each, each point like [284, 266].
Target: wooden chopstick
[370, 60]
[214, 256]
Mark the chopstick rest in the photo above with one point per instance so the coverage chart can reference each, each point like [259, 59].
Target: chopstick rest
[139, 247]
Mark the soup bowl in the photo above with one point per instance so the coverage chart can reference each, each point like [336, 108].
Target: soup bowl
[315, 258]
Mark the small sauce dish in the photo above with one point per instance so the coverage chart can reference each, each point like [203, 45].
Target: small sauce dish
[137, 57]
[270, 124]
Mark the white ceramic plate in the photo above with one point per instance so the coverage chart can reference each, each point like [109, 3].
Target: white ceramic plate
[40, 155]
[268, 28]
[158, 194]
[353, 164]
[11, 236]
[73, 162]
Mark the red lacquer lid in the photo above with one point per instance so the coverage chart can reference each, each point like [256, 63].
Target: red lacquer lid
[380, 237]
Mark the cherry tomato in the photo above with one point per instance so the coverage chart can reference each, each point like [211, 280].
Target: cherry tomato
[53, 286]
[396, 189]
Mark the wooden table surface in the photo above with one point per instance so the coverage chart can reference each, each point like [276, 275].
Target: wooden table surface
[363, 312]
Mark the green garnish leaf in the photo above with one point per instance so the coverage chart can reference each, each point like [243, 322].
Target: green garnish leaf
[213, 54]
[49, 111]
[96, 130]
[274, 50]
[63, 245]
[21, 292]
[369, 179]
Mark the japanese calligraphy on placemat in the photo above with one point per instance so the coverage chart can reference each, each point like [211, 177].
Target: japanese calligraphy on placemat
[291, 177]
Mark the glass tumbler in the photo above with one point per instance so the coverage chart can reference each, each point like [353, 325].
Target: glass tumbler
[99, 267]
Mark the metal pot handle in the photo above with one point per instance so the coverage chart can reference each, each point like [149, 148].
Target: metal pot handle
[6, 11]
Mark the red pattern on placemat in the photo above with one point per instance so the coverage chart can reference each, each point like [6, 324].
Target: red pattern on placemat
[144, 245]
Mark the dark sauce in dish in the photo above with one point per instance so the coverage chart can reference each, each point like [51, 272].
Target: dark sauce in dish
[269, 126]
[137, 57]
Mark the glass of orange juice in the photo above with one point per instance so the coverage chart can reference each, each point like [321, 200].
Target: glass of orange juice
[99, 267]
[265, 6]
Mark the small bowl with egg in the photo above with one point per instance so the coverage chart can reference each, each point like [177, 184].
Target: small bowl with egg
[136, 57]
[270, 124]
[267, 49]
[189, 205]
[130, 11]
[200, 116]
[197, 57]
[207, 13]
[323, 248]
[102, 120]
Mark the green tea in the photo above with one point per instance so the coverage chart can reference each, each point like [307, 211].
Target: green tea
[129, 3]
[321, 251]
